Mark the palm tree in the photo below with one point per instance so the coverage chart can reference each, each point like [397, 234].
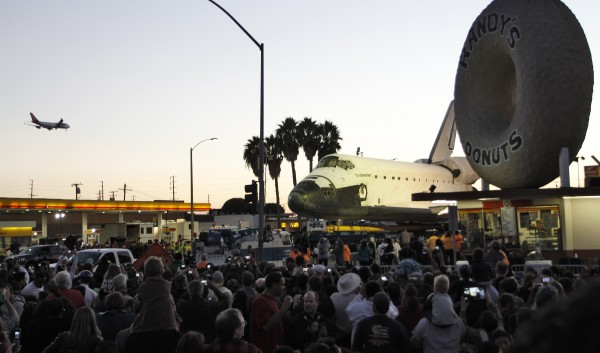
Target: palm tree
[309, 139]
[330, 139]
[287, 132]
[251, 154]
[274, 157]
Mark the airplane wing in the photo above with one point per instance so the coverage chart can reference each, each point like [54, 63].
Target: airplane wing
[444, 142]
[57, 125]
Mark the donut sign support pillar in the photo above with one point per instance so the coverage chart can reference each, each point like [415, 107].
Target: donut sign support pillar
[523, 91]
[563, 164]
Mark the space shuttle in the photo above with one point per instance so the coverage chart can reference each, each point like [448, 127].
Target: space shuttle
[351, 187]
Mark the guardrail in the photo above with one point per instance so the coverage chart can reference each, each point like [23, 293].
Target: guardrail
[517, 269]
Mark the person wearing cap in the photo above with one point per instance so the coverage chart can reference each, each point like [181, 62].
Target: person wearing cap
[379, 333]
[33, 288]
[85, 278]
[219, 281]
[348, 287]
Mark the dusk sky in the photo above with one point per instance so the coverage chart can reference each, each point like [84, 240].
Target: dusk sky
[142, 81]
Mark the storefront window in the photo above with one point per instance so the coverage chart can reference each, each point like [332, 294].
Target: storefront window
[480, 226]
[539, 226]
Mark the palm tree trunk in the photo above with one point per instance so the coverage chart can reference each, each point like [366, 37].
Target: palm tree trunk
[277, 200]
[293, 172]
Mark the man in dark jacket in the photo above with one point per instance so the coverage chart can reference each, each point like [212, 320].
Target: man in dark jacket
[198, 313]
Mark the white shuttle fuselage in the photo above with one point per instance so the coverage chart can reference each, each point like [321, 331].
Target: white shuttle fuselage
[355, 187]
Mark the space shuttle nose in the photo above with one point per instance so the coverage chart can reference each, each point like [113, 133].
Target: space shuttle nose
[297, 201]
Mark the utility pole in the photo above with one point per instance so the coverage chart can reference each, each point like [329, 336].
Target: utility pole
[125, 189]
[172, 187]
[101, 190]
[31, 195]
[77, 190]
[112, 195]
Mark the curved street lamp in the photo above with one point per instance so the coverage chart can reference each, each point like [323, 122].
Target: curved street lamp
[192, 185]
[261, 146]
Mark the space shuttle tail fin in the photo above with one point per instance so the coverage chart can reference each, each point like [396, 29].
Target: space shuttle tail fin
[444, 142]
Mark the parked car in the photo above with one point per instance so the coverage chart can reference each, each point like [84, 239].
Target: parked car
[34, 255]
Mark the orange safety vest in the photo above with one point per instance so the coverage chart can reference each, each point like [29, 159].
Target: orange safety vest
[346, 253]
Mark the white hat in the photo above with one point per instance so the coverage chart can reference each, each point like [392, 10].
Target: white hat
[319, 268]
[260, 283]
[348, 283]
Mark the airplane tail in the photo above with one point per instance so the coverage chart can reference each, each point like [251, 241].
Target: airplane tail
[34, 119]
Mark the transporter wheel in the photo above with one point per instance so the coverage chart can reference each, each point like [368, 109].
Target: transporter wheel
[523, 91]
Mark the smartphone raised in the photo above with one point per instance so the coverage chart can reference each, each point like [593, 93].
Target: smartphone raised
[474, 293]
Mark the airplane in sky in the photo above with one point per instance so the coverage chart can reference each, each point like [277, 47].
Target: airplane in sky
[47, 125]
[355, 187]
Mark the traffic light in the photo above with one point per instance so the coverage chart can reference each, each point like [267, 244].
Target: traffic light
[251, 196]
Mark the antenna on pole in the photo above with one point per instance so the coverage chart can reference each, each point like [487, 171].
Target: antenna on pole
[125, 189]
[31, 195]
[77, 190]
[172, 187]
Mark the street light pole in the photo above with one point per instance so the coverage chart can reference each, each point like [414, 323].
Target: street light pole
[261, 146]
[192, 185]
[59, 216]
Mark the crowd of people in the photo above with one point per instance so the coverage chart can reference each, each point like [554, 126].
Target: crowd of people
[306, 305]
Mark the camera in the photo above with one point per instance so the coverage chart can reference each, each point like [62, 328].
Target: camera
[305, 269]
[384, 278]
[546, 280]
[189, 272]
[437, 248]
[204, 281]
[17, 334]
[474, 293]
[328, 270]
[137, 274]
[247, 257]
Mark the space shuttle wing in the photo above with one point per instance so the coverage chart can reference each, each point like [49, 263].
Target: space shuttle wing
[444, 142]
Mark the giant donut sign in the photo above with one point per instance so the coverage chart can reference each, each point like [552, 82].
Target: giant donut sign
[523, 91]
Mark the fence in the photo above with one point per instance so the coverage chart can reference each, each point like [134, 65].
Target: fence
[519, 270]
